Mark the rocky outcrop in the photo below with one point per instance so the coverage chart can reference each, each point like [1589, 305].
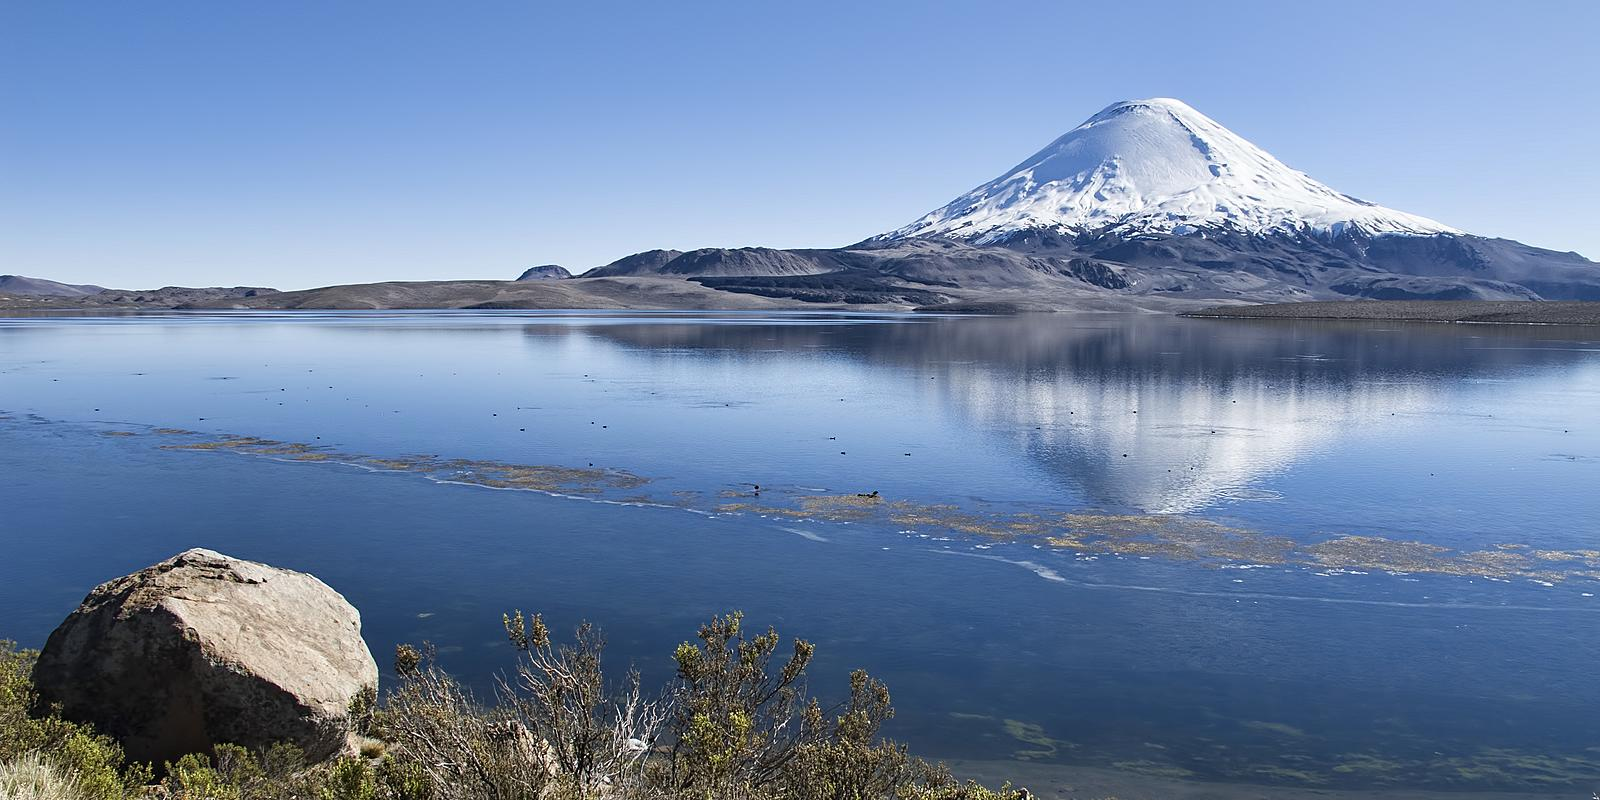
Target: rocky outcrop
[545, 272]
[203, 649]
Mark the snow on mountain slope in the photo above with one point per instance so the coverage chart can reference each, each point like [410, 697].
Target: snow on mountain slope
[1156, 167]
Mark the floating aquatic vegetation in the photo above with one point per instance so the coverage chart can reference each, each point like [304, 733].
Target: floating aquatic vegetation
[552, 479]
[948, 517]
[1067, 542]
[1030, 733]
[1155, 769]
[1499, 561]
[1273, 773]
[224, 443]
[1278, 728]
[1183, 538]
[845, 507]
[543, 478]
[401, 464]
[1178, 537]
[766, 511]
[1372, 552]
[1172, 537]
[1587, 557]
[1370, 766]
[1044, 746]
[1506, 767]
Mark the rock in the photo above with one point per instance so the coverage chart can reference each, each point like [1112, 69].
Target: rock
[203, 649]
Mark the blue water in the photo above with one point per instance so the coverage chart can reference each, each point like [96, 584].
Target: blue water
[996, 649]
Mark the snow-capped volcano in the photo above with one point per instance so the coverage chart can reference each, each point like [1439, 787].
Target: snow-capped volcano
[1148, 199]
[1158, 167]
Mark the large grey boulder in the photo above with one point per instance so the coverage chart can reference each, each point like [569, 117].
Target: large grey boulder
[203, 649]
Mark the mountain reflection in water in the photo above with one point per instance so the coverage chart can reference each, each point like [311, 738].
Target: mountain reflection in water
[1153, 414]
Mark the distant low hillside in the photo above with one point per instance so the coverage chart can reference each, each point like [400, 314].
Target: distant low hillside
[178, 296]
[18, 285]
[165, 297]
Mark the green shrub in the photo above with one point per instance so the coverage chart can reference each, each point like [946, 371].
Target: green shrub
[362, 708]
[95, 764]
[279, 773]
[844, 757]
[733, 718]
[349, 779]
[19, 732]
[193, 778]
[404, 780]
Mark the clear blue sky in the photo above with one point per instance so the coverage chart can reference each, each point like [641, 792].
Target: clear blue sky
[294, 144]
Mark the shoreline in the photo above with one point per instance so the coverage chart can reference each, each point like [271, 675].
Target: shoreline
[1461, 312]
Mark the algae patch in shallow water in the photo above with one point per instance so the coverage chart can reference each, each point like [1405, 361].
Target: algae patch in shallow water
[1030, 733]
[543, 478]
[1184, 538]
[1275, 727]
[1166, 536]
[1154, 769]
[1043, 747]
[1501, 561]
[551, 479]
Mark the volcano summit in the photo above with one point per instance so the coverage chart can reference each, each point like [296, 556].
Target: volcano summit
[1157, 167]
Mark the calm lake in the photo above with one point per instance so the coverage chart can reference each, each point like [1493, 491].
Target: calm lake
[1202, 553]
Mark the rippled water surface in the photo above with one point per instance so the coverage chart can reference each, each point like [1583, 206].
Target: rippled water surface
[1291, 554]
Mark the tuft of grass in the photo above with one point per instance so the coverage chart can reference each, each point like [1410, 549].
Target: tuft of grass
[31, 777]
